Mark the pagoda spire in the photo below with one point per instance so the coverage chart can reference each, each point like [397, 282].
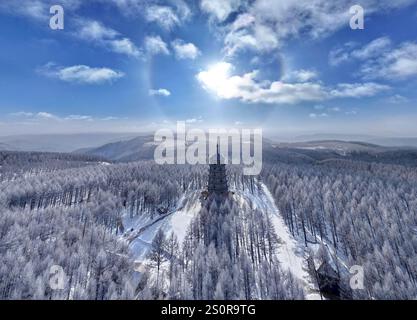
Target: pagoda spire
[217, 176]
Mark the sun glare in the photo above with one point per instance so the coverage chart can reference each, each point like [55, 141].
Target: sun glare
[219, 71]
[216, 77]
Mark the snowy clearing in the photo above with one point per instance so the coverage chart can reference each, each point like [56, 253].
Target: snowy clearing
[290, 253]
[177, 222]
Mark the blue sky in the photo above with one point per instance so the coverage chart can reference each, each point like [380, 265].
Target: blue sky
[288, 66]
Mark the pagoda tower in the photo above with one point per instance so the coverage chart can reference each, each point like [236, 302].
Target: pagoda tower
[217, 176]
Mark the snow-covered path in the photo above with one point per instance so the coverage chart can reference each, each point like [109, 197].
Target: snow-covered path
[176, 222]
[290, 253]
[180, 220]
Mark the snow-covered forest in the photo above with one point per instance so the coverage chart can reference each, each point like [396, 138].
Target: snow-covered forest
[365, 214]
[134, 230]
[72, 217]
[229, 252]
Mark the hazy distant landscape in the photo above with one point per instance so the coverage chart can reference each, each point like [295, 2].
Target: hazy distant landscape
[83, 142]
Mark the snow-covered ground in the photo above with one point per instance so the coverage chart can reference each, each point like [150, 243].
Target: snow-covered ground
[176, 222]
[290, 253]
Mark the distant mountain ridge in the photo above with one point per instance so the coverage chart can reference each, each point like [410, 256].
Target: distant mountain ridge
[5, 146]
[381, 141]
[143, 147]
[60, 142]
[139, 148]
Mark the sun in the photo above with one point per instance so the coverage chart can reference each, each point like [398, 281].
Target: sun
[216, 77]
[219, 70]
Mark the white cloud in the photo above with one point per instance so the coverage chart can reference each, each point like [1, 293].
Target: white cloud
[21, 114]
[373, 49]
[80, 74]
[84, 29]
[349, 51]
[358, 90]
[46, 115]
[39, 115]
[265, 24]
[245, 33]
[220, 9]
[155, 45]
[35, 9]
[182, 9]
[31, 9]
[125, 5]
[194, 120]
[399, 64]
[249, 88]
[185, 50]
[43, 116]
[334, 109]
[246, 88]
[381, 59]
[109, 118]
[159, 92]
[79, 117]
[95, 32]
[318, 115]
[351, 112]
[124, 46]
[338, 56]
[134, 7]
[163, 16]
[325, 110]
[397, 99]
[301, 75]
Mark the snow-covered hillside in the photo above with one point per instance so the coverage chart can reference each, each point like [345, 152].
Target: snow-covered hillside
[142, 229]
[290, 253]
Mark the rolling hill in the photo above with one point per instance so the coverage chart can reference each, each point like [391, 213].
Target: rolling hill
[142, 148]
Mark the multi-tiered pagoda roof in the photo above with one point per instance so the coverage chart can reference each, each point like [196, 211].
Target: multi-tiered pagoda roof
[217, 176]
